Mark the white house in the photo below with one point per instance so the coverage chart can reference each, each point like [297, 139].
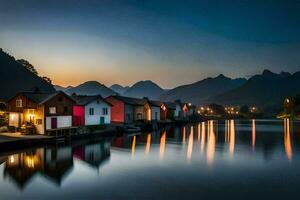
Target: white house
[91, 110]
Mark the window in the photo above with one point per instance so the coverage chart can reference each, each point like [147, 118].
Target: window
[52, 110]
[39, 121]
[19, 103]
[60, 99]
[91, 111]
[139, 116]
[66, 109]
[104, 111]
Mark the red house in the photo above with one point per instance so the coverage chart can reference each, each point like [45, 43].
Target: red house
[127, 109]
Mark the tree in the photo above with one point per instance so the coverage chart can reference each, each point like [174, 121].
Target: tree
[28, 66]
[47, 79]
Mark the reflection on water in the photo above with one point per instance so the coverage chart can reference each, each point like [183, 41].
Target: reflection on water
[214, 141]
[148, 145]
[253, 134]
[203, 134]
[211, 143]
[190, 144]
[287, 139]
[231, 138]
[162, 146]
[133, 147]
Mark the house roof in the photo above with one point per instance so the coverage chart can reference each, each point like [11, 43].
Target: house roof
[155, 103]
[170, 105]
[41, 98]
[131, 101]
[85, 99]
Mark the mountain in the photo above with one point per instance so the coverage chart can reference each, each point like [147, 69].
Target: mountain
[199, 92]
[15, 78]
[266, 90]
[60, 88]
[119, 88]
[91, 88]
[144, 89]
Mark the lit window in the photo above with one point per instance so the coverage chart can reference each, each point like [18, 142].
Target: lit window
[104, 111]
[52, 110]
[39, 121]
[19, 103]
[91, 111]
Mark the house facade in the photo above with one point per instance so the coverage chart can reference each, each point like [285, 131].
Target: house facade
[128, 110]
[156, 107]
[40, 112]
[91, 110]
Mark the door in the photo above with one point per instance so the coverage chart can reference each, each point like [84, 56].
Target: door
[102, 120]
[53, 123]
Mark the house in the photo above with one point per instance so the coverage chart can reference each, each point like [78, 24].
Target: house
[54, 164]
[93, 154]
[168, 110]
[182, 109]
[156, 107]
[91, 110]
[40, 112]
[128, 110]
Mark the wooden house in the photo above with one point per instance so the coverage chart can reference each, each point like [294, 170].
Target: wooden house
[42, 112]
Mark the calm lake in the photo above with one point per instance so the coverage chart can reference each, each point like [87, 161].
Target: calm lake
[249, 159]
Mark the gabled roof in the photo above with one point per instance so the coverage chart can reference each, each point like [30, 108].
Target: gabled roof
[85, 99]
[170, 105]
[41, 98]
[155, 103]
[130, 100]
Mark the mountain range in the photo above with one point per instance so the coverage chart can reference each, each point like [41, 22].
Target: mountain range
[15, 78]
[91, 88]
[199, 92]
[119, 88]
[266, 90]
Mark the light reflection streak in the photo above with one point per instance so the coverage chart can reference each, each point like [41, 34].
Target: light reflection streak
[190, 144]
[148, 145]
[287, 139]
[183, 134]
[253, 134]
[202, 143]
[231, 138]
[162, 146]
[133, 147]
[211, 143]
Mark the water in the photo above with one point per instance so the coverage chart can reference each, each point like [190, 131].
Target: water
[250, 159]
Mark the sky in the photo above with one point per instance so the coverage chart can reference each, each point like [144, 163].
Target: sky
[169, 42]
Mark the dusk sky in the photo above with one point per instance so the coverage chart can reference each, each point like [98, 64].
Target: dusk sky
[169, 42]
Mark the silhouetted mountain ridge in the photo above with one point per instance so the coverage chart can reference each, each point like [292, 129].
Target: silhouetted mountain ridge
[91, 88]
[265, 90]
[144, 89]
[15, 78]
[200, 91]
[119, 88]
